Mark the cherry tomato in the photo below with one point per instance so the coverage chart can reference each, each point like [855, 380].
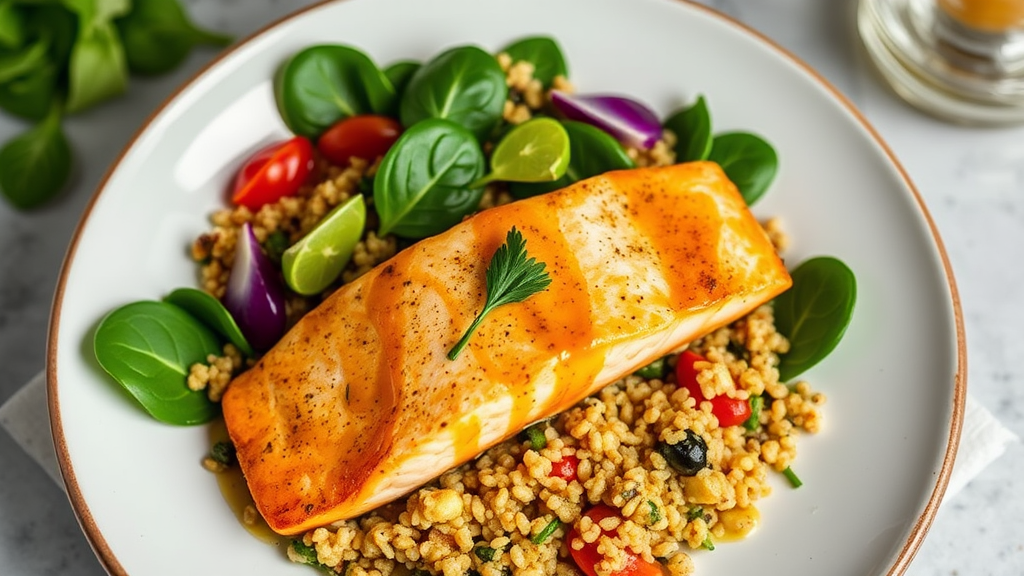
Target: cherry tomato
[729, 411]
[273, 173]
[588, 556]
[565, 468]
[366, 136]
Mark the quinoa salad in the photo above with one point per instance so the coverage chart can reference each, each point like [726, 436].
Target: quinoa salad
[636, 478]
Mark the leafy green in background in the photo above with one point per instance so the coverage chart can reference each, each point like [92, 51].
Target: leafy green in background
[60, 57]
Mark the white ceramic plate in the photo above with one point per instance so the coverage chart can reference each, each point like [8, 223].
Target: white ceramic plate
[872, 478]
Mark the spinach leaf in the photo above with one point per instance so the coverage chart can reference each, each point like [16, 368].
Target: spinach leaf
[592, 151]
[692, 127]
[464, 84]
[35, 164]
[98, 69]
[422, 185]
[545, 55]
[211, 312]
[12, 26]
[814, 313]
[16, 63]
[97, 12]
[148, 348]
[31, 95]
[59, 25]
[158, 36]
[323, 84]
[399, 73]
[748, 160]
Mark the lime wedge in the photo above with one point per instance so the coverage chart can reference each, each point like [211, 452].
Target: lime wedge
[311, 264]
[534, 151]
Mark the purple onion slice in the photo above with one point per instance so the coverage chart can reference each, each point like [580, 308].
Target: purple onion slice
[255, 294]
[629, 121]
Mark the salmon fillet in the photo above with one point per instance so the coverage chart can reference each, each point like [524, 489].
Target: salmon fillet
[358, 405]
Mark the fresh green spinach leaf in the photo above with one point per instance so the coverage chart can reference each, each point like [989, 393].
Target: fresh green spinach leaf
[12, 26]
[211, 312]
[814, 313]
[60, 26]
[692, 127]
[323, 84]
[35, 164]
[98, 69]
[17, 63]
[97, 12]
[748, 160]
[399, 73]
[592, 151]
[149, 348]
[30, 96]
[158, 36]
[423, 184]
[544, 53]
[464, 84]
[535, 151]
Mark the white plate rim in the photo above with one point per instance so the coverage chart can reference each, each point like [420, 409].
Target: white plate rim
[920, 527]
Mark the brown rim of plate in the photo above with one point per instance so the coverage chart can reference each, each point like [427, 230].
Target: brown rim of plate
[917, 533]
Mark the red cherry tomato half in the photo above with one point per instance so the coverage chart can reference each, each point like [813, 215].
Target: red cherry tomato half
[367, 136]
[729, 411]
[565, 468]
[274, 172]
[588, 556]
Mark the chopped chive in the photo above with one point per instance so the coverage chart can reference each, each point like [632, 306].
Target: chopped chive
[694, 513]
[308, 556]
[707, 544]
[546, 533]
[366, 186]
[654, 515]
[277, 242]
[794, 480]
[485, 553]
[535, 436]
[655, 369]
[223, 453]
[756, 403]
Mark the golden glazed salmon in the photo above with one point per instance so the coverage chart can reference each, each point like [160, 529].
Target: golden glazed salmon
[358, 404]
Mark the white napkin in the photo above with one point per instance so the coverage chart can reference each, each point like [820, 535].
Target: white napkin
[25, 417]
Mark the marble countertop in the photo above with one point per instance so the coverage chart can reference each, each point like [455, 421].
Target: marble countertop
[972, 181]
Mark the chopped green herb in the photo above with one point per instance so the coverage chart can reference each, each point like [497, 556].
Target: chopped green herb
[308, 556]
[794, 480]
[485, 553]
[629, 494]
[277, 242]
[535, 436]
[654, 515]
[756, 403]
[653, 370]
[546, 533]
[707, 544]
[511, 277]
[694, 513]
[366, 186]
[223, 452]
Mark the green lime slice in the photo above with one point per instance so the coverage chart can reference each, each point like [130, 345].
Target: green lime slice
[311, 264]
[535, 151]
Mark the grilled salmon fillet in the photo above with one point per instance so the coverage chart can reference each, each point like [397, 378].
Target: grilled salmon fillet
[358, 404]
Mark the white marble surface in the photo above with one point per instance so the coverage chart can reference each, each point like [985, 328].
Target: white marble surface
[972, 181]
